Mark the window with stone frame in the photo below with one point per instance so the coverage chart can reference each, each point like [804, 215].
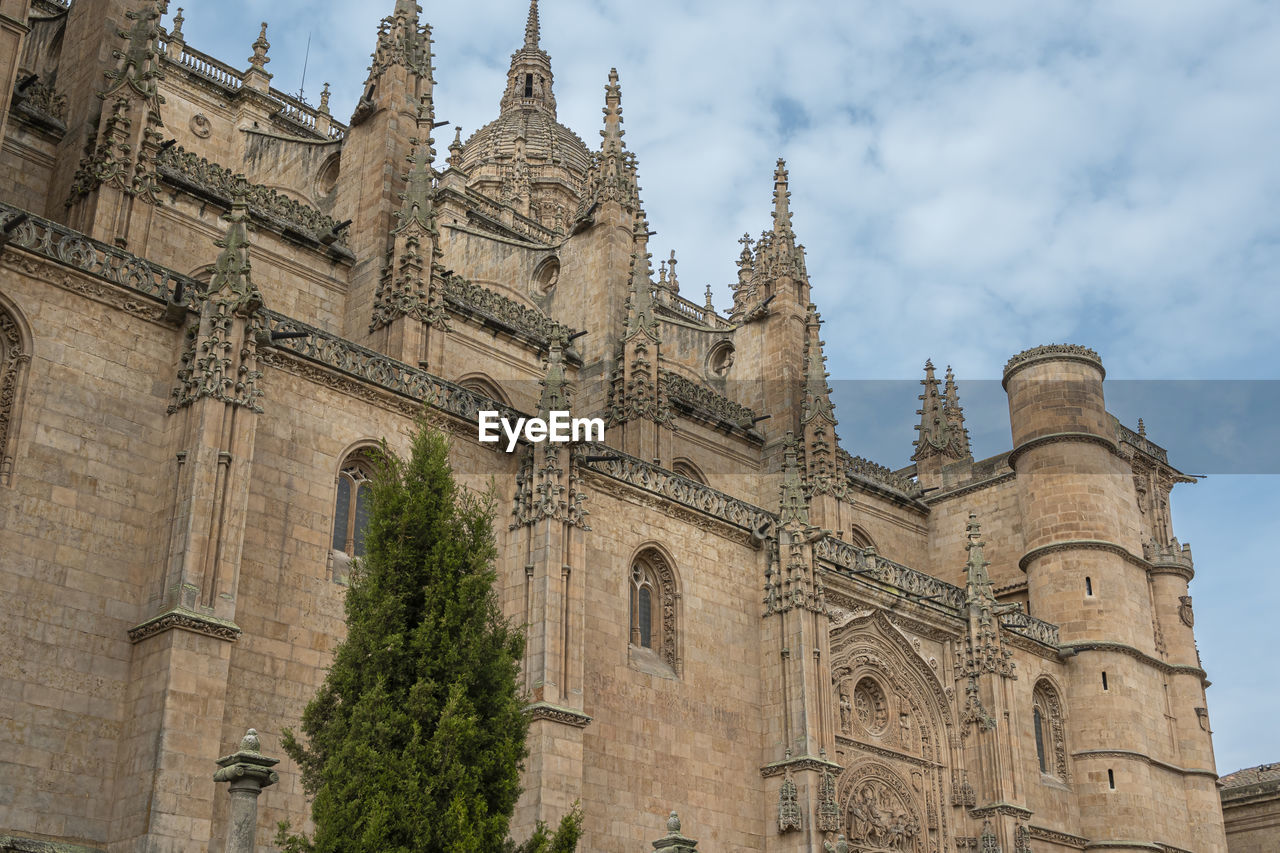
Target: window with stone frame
[15, 356]
[1049, 730]
[652, 608]
[350, 513]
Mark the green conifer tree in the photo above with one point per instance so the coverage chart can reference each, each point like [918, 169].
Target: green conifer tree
[415, 740]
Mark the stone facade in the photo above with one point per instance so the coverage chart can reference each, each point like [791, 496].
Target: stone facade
[215, 297]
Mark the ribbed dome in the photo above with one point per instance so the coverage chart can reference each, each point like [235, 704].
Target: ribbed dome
[545, 141]
[550, 154]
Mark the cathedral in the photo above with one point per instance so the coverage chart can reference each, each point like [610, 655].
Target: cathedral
[216, 299]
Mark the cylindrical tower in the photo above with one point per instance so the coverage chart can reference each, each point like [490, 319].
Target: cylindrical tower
[1087, 574]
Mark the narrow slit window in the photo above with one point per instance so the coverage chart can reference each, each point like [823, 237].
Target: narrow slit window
[528, 85]
[1088, 586]
[1104, 680]
[1111, 779]
[645, 608]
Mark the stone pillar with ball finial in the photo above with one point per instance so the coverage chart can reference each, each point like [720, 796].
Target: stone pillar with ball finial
[248, 771]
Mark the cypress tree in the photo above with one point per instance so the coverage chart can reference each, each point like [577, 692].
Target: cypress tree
[415, 740]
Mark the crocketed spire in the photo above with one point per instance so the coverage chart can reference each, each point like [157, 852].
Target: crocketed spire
[941, 427]
[612, 176]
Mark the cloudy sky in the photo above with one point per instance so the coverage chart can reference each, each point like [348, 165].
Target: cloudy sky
[969, 179]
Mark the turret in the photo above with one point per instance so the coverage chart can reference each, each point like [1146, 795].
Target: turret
[1086, 573]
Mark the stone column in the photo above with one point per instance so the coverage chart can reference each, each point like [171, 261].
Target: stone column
[248, 771]
[673, 841]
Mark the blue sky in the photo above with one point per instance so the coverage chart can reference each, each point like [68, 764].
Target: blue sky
[970, 179]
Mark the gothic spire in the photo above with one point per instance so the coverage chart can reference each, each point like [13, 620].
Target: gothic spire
[955, 416]
[419, 192]
[531, 27]
[612, 175]
[817, 393]
[782, 203]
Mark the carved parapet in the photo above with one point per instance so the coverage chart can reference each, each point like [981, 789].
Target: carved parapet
[1052, 352]
[71, 248]
[868, 564]
[858, 470]
[470, 299]
[1029, 626]
[1175, 555]
[703, 402]
[681, 490]
[207, 179]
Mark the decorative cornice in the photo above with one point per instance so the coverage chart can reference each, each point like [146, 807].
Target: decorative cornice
[1121, 648]
[1052, 352]
[800, 764]
[1133, 755]
[867, 565]
[557, 714]
[185, 620]
[1053, 835]
[1057, 437]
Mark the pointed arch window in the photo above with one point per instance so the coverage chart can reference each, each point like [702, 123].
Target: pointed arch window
[350, 513]
[1049, 730]
[653, 635]
[15, 357]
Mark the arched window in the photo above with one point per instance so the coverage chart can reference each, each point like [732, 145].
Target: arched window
[484, 386]
[15, 356]
[350, 513]
[653, 604]
[685, 468]
[1047, 722]
[859, 538]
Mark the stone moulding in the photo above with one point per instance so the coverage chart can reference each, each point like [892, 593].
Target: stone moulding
[557, 714]
[1132, 755]
[1082, 545]
[681, 490]
[799, 765]
[1138, 654]
[1005, 809]
[1052, 352]
[969, 488]
[205, 179]
[1058, 437]
[185, 620]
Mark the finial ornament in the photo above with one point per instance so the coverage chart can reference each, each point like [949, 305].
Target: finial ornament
[260, 59]
[175, 32]
[324, 100]
[250, 742]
